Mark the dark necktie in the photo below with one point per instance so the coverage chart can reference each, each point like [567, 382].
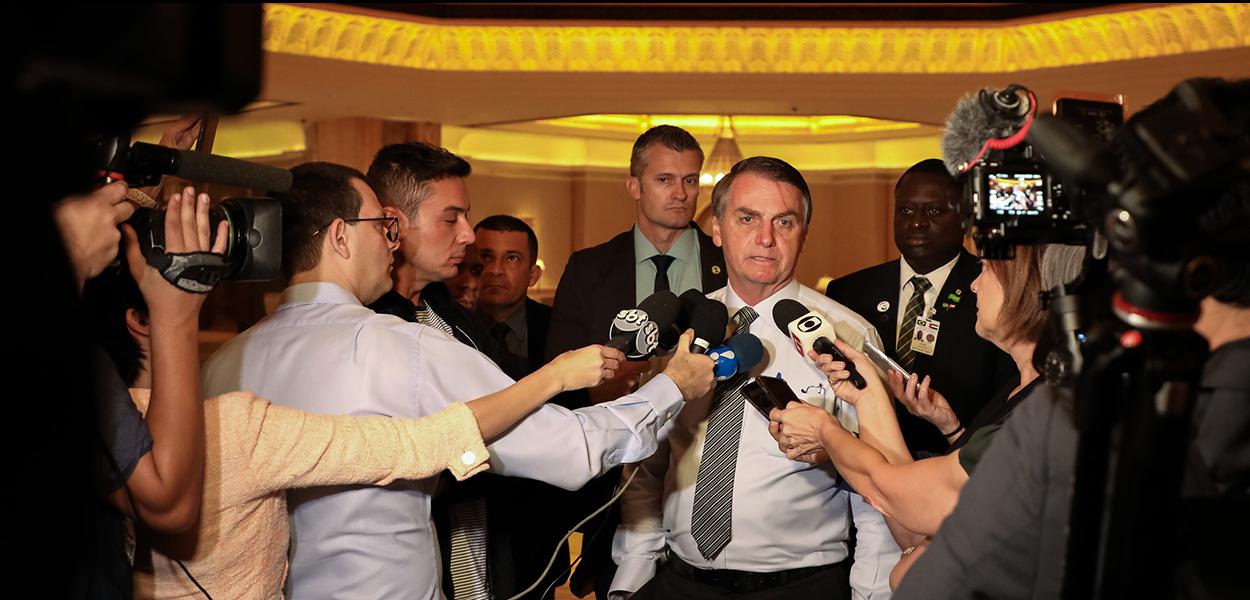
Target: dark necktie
[907, 329]
[711, 519]
[662, 261]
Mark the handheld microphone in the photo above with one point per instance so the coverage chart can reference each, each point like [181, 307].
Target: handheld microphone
[708, 318]
[986, 120]
[810, 329]
[740, 355]
[636, 331]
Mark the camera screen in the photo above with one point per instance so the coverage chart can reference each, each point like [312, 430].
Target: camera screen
[1016, 193]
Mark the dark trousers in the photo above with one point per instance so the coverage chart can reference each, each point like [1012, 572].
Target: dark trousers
[676, 579]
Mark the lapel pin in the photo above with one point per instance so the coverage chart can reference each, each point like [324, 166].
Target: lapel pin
[716, 269]
[883, 306]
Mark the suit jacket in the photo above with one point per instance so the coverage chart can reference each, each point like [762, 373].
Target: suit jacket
[965, 368]
[598, 282]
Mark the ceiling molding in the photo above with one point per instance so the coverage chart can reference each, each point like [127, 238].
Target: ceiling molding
[1070, 40]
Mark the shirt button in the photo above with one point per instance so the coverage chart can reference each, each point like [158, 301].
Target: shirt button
[668, 415]
[468, 458]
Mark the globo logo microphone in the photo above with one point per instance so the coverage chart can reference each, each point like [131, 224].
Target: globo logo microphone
[810, 323]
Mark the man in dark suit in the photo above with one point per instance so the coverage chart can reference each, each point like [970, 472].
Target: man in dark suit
[664, 250]
[932, 282]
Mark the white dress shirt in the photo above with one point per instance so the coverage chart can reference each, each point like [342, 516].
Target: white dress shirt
[322, 351]
[786, 514]
[937, 279]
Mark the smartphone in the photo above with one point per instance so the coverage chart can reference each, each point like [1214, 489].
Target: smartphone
[884, 362]
[766, 393]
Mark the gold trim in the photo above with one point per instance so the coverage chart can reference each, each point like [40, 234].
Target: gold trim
[1135, 33]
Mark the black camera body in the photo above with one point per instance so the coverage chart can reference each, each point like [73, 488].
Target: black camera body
[253, 244]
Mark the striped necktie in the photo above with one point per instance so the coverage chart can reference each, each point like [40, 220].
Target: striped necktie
[907, 328]
[712, 516]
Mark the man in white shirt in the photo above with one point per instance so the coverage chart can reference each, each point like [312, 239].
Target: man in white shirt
[323, 351]
[718, 511]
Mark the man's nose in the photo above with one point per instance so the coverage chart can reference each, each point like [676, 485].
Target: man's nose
[766, 235]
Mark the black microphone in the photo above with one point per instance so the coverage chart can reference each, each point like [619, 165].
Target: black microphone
[144, 158]
[809, 329]
[708, 318]
[636, 331]
[979, 117]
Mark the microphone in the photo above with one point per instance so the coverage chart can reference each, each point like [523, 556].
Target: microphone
[144, 158]
[636, 331]
[985, 120]
[810, 329]
[708, 318]
[740, 355]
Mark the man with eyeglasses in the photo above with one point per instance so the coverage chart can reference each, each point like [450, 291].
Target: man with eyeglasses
[324, 352]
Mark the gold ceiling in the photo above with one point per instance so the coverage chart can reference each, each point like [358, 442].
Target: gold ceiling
[1134, 32]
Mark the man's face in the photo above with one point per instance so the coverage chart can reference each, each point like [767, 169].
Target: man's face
[668, 187]
[434, 242]
[508, 270]
[465, 285]
[371, 252]
[761, 232]
[927, 227]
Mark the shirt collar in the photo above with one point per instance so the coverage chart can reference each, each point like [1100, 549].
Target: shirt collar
[684, 247]
[764, 308]
[317, 292]
[935, 277]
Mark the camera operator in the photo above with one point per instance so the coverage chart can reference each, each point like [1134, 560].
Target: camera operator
[1007, 536]
[151, 470]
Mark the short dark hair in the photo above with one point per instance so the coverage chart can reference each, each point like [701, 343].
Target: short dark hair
[106, 298]
[320, 193]
[773, 169]
[511, 223]
[404, 173]
[930, 166]
[669, 136]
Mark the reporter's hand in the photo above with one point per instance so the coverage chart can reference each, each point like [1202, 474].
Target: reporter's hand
[621, 383]
[88, 225]
[924, 402]
[586, 367]
[838, 375]
[691, 372]
[799, 428]
[186, 230]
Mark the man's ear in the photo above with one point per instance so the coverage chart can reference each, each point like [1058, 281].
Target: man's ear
[633, 185]
[716, 232]
[137, 323]
[404, 221]
[535, 273]
[337, 236]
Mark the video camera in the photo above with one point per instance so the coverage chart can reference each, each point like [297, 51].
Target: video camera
[1011, 197]
[254, 246]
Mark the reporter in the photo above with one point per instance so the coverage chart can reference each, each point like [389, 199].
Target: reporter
[918, 495]
[256, 450]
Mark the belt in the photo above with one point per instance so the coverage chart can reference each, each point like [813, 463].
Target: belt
[742, 581]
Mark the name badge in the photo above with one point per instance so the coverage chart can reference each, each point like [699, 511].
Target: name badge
[924, 338]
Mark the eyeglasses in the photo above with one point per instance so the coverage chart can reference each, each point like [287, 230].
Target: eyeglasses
[390, 227]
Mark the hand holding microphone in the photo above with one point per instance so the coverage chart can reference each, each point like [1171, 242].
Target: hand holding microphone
[691, 372]
[809, 330]
[637, 331]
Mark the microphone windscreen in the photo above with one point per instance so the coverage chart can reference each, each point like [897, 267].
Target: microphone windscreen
[662, 307]
[969, 125]
[202, 166]
[708, 320]
[748, 349]
[787, 311]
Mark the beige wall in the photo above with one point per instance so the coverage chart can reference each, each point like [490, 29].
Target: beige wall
[574, 209]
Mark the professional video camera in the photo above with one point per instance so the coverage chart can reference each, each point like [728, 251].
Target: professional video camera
[254, 246]
[1011, 196]
[1155, 193]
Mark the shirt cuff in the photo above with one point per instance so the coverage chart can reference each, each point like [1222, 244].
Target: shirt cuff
[632, 573]
[469, 454]
[664, 396]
